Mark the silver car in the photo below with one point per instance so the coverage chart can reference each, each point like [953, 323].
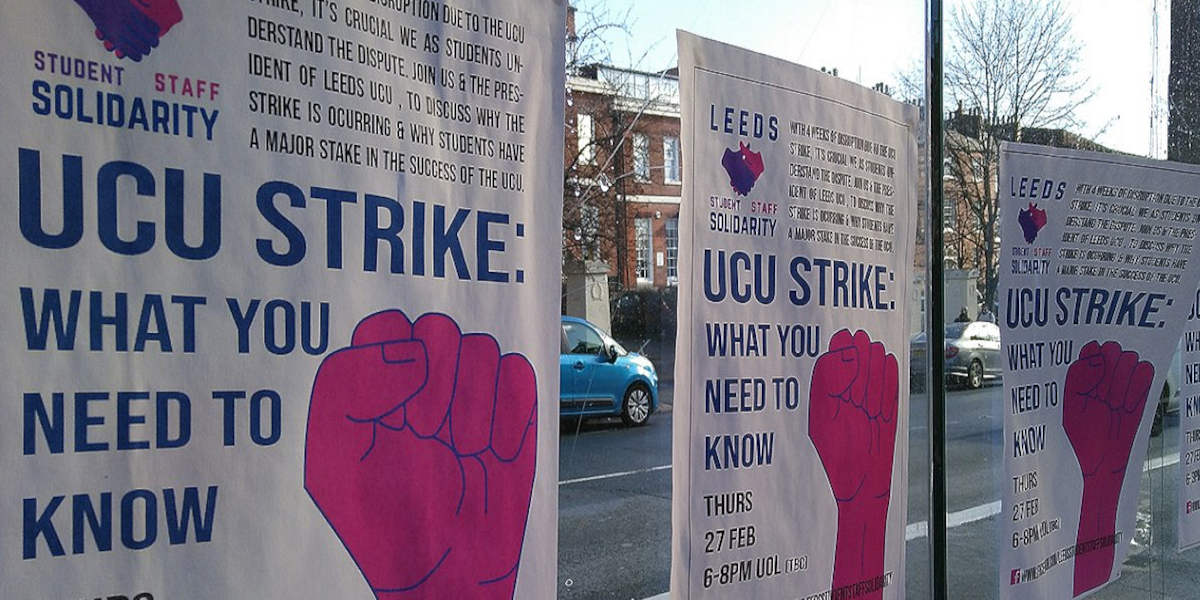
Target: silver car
[972, 353]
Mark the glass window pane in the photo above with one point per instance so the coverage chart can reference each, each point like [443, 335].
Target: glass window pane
[615, 487]
[641, 157]
[581, 339]
[643, 248]
[671, 159]
[1006, 82]
[672, 227]
[586, 139]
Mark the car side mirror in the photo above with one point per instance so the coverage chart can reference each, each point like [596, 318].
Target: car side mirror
[610, 352]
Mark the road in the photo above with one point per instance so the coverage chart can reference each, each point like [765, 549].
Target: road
[615, 507]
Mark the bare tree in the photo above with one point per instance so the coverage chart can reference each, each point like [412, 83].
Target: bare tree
[1183, 143]
[1012, 66]
[599, 171]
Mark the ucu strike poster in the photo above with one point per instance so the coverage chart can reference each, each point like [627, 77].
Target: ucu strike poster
[791, 419]
[1097, 275]
[281, 287]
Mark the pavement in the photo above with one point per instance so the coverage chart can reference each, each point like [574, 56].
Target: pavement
[615, 505]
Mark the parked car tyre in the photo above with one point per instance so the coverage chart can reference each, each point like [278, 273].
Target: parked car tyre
[975, 375]
[635, 409]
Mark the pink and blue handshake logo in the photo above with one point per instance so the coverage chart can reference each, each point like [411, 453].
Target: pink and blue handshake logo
[1032, 220]
[131, 28]
[743, 166]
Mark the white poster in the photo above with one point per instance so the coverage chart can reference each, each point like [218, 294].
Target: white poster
[1188, 527]
[791, 430]
[281, 286]
[1096, 279]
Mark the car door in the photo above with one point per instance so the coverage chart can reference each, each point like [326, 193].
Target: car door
[568, 383]
[990, 348]
[608, 376]
[972, 346]
[584, 349]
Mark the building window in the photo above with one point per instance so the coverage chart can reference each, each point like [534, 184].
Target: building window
[586, 134]
[641, 157]
[672, 251]
[671, 160]
[642, 246]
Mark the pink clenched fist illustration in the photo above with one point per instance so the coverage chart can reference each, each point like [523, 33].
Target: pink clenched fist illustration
[421, 453]
[1103, 398]
[852, 422]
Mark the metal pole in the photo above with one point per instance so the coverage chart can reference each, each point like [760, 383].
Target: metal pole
[935, 337]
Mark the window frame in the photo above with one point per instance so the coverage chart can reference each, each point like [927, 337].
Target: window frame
[671, 247]
[643, 263]
[641, 157]
[585, 329]
[672, 169]
[585, 138]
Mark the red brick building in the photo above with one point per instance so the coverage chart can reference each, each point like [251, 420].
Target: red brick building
[624, 173]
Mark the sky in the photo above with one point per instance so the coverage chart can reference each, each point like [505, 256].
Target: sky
[871, 41]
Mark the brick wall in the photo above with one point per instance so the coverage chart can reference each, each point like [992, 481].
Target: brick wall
[658, 214]
[654, 198]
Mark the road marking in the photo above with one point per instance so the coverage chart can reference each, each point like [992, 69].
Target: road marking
[919, 529]
[612, 475]
[1163, 461]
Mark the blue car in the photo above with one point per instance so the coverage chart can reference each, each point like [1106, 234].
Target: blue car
[598, 377]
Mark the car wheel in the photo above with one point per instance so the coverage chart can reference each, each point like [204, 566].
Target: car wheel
[975, 375]
[635, 409]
